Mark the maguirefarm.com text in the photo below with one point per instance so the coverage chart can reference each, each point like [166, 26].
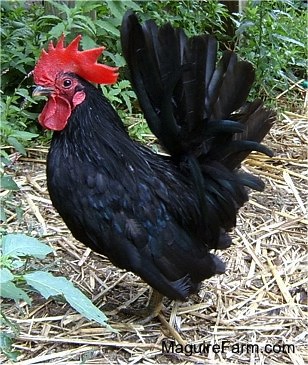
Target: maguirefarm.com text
[171, 347]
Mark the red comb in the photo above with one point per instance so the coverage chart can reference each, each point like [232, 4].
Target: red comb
[83, 63]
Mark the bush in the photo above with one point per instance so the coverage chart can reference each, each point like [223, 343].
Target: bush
[265, 35]
[272, 36]
[20, 47]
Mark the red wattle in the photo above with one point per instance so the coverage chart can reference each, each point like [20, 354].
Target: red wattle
[55, 114]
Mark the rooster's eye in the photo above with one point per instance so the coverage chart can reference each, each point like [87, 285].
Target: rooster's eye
[67, 83]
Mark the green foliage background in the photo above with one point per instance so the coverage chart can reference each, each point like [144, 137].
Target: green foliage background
[270, 34]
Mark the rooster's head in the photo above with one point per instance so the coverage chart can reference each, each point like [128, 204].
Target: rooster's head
[55, 76]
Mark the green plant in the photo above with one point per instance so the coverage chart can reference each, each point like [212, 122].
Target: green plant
[19, 46]
[6, 183]
[26, 28]
[122, 89]
[7, 337]
[138, 129]
[266, 35]
[196, 17]
[18, 281]
[14, 120]
[20, 42]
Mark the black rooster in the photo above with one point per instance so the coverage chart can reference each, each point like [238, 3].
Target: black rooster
[156, 216]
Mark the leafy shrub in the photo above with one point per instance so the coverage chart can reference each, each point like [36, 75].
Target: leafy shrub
[196, 17]
[269, 38]
[15, 120]
[19, 49]
[265, 35]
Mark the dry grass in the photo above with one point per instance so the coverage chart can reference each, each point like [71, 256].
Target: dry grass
[261, 300]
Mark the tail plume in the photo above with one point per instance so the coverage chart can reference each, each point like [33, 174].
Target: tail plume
[197, 109]
[187, 98]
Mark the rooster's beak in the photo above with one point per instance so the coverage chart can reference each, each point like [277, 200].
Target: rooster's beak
[42, 91]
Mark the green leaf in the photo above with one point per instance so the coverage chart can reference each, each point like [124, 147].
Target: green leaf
[127, 102]
[288, 39]
[17, 145]
[22, 245]
[49, 285]
[243, 27]
[16, 263]
[11, 291]
[7, 183]
[57, 30]
[5, 275]
[108, 27]
[87, 22]
[61, 7]
[132, 5]
[24, 135]
[87, 42]
[6, 346]
[116, 8]
[124, 84]
[117, 59]
[50, 17]
[114, 92]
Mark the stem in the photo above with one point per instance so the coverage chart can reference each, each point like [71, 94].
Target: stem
[260, 33]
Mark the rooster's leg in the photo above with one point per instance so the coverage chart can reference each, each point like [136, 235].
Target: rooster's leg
[151, 311]
[153, 308]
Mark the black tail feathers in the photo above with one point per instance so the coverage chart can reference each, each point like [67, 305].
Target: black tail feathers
[197, 108]
[192, 104]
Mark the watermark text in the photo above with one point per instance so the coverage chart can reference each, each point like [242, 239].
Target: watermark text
[171, 347]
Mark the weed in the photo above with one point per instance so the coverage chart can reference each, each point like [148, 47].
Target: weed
[18, 282]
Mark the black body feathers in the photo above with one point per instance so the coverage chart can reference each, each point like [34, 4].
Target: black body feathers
[160, 216]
